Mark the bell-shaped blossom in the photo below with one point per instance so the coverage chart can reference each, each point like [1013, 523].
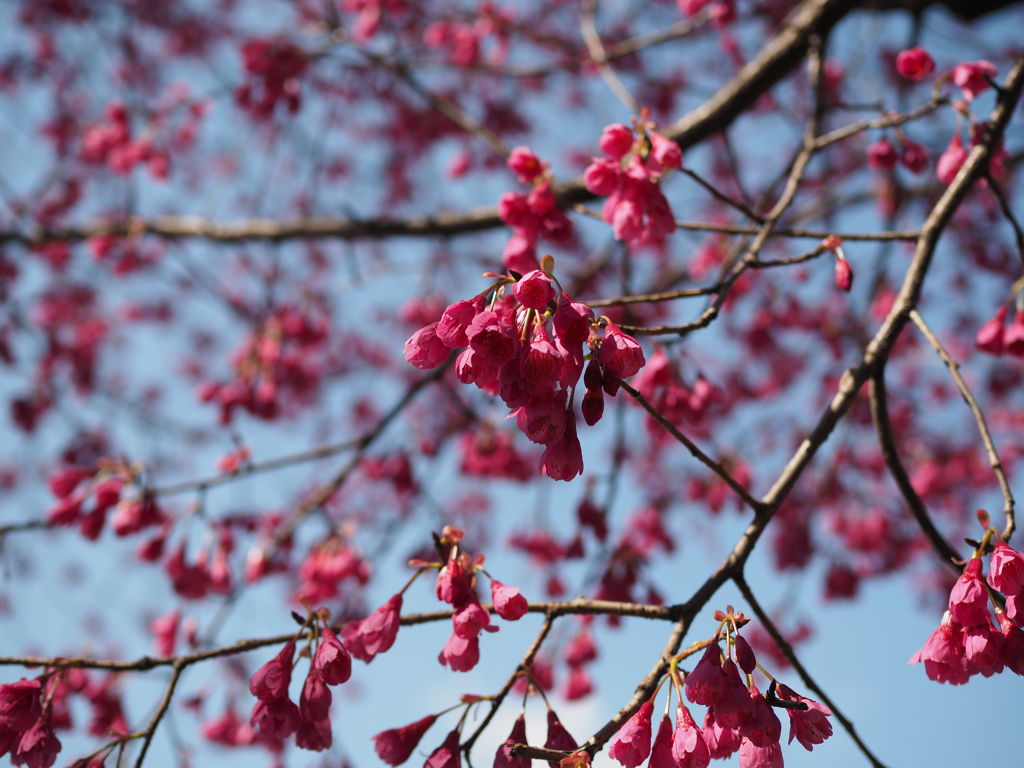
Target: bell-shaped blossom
[973, 77]
[914, 156]
[882, 155]
[621, 355]
[461, 654]
[19, 703]
[661, 750]
[228, 730]
[632, 744]
[314, 735]
[451, 328]
[592, 406]
[968, 602]
[332, 660]
[271, 681]
[503, 758]
[762, 727]
[558, 738]
[616, 140]
[844, 275]
[563, 459]
[454, 583]
[809, 726]
[1013, 643]
[396, 745]
[602, 176]
[983, 647]
[745, 655]
[526, 165]
[951, 160]
[542, 419]
[572, 321]
[705, 684]
[471, 368]
[471, 618]
[688, 746]
[508, 602]
[735, 706]
[315, 700]
[64, 481]
[277, 719]
[1006, 569]
[990, 335]
[1015, 607]
[581, 650]
[1013, 337]
[165, 632]
[38, 746]
[534, 290]
[447, 755]
[425, 349]
[753, 756]
[722, 742]
[579, 685]
[374, 634]
[915, 64]
[493, 337]
[541, 362]
[943, 654]
[665, 151]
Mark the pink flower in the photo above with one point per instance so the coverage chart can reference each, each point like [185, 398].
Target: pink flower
[632, 744]
[1013, 643]
[558, 738]
[572, 321]
[602, 176]
[1006, 570]
[661, 751]
[314, 735]
[753, 756]
[579, 684]
[882, 155]
[424, 349]
[277, 719]
[1013, 338]
[844, 275]
[271, 681]
[616, 140]
[315, 700]
[592, 406]
[762, 727]
[454, 583]
[914, 156]
[460, 653]
[810, 726]
[972, 77]
[665, 151]
[721, 742]
[563, 459]
[228, 730]
[471, 618]
[492, 337]
[541, 363]
[951, 160]
[943, 654]
[621, 355]
[332, 660]
[745, 655]
[968, 602]
[374, 634]
[19, 703]
[502, 759]
[447, 755]
[990, 335]
[534, 290]
[914, 64]
[470, 368]
[396, 745]
[688, 746]
[451, 328]
[508, 602]
[1015, 607]
[64, 481]
[735, 706]
[514, 210]
[983, 647]
[705, 684]
[524, 164]
[165, 630]
[38, 746]
[542, 419]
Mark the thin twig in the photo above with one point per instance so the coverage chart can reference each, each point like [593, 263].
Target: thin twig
[787, 651]
[979, 417]
[161, 710]
[890, 454]
[1018, 233]
[595, 48]
[719, 195]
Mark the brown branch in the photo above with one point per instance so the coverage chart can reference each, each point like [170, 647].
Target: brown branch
[890, 455]
[161, 710]
[979, 417]
[721, 196]
[787, 651]
[879, 122]
[646, 298]
[595, 48]
[696, 452]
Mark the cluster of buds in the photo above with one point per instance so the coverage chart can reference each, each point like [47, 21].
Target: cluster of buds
[111, 143]
[456, 585]
[883, 156]
[273, 68]
[739, 717]
[637, 159]
[996, 338]
[844, 272]
[510, 352]
[532, 215]
[103, 486]
[969, 639]
[275, 714]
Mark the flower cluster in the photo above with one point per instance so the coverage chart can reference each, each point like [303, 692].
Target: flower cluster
[969, 639]
[532, 215]
[75, 486]
[26, 723]
[273, 68]
[527, 346]
[111, 143]
[276, 715]
[630, 176]
[456, 585]
[883, 156]
[739, 717]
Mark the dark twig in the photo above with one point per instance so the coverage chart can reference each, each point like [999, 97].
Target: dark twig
[787, 651]
[165, 702]
[721, 196]
[1018, 233]
[696, 452]
[979, 417]
[890, 454]
[595, 48]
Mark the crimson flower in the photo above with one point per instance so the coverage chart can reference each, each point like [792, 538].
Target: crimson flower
[425, 349]
[721, 741]
[973, 77]
[968, 602]
[447, 755]
[951, 160]
[332, 660]
[460, 653]
[990, 335]
[621, 355]
[502, 759]
[374, 634]
[508, 602]
[753, 756]
[705, 684]
[1006, 570]
[632, 744]
[271, 681]
[558, 738]
[943, 654]
[915, 64]
[396, 745]
[688, 746]
[661, 750]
